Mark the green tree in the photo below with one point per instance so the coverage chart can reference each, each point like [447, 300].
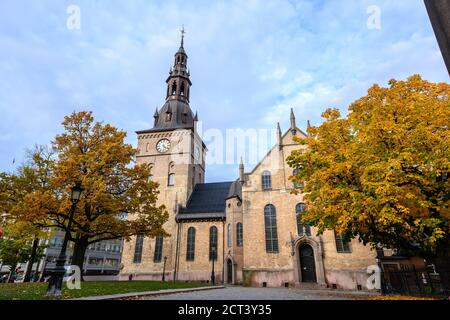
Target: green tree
[16, 247]
[381, 173]
[30, 177]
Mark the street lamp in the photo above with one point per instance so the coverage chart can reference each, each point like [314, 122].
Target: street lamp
[213, 276]
[164, 269]
[57, 274]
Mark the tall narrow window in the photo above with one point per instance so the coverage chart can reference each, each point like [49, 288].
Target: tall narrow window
[229, 235]
[302, 228]
[171, 180]
[150, 177]
[171, 175]
[182, 88]
[239, 234]
[158, 249]
[294, 173]
[190, 250]
[342, 246]
[174, 87]
[266, 180]
[270, 220]
[138, 248]
[213, 243]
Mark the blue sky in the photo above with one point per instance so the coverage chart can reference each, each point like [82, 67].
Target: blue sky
[250, 62]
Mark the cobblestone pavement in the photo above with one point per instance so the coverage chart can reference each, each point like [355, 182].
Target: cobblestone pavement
[241, 293]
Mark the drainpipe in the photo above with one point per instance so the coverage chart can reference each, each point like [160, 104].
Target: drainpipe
[223, 251]
[175, 270]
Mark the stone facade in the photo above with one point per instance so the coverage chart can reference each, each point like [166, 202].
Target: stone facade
[237, 210]
[344, 270]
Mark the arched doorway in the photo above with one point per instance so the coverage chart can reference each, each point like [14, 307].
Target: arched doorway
[229, 271]
[307, 263]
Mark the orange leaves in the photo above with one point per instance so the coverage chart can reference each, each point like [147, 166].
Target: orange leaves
[96, 155]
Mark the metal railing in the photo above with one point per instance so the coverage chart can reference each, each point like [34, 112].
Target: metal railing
[411, 281]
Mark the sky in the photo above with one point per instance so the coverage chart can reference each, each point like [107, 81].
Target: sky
[251, 61]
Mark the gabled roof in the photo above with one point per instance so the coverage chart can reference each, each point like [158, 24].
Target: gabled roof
[273, 148]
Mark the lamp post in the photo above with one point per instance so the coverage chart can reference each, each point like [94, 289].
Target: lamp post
[57, 274]
[213, 276]
[379, 257]
[164, 269]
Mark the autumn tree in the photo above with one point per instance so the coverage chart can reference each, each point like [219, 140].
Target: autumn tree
[95, 155]
[33, 176]
[17, 246]
[382, 172]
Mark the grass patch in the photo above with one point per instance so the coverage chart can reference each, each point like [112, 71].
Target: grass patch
[36, 291]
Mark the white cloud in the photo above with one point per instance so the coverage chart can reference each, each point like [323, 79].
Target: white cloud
[250, 61]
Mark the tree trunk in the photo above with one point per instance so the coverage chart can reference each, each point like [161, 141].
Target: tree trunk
[36, 273]
[79, 251]
[27, 276]
[12, 270]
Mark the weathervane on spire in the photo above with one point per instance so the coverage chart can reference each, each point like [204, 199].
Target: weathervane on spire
[182, 36]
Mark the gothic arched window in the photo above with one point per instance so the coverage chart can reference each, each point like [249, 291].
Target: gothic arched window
[266, 180]
[302, 228]
[213, 243]
[182, 88]
[174, 87]
[294, 173]
[171, 175]
[270, 221]
[138, 248]
[229, 242]
[239, 234]
[150, 177]
[158, 249]
[190, 249]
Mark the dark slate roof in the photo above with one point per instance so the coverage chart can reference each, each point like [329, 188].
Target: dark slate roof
[235, 190]
[177, 108]
[207, 198]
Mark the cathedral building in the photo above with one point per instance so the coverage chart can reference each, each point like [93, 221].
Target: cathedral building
[247, 229]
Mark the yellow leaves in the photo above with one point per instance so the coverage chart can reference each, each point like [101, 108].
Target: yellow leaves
[96, 155]
[331, 114]
[379, 170]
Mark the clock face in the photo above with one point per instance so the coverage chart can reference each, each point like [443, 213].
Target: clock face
[163, 145]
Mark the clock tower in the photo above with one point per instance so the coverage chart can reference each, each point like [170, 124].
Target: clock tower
[176, 154]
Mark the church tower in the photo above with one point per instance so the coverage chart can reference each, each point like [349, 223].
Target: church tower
[176, 154]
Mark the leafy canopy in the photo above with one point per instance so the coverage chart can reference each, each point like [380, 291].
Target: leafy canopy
[381, 173]
[95, 155]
